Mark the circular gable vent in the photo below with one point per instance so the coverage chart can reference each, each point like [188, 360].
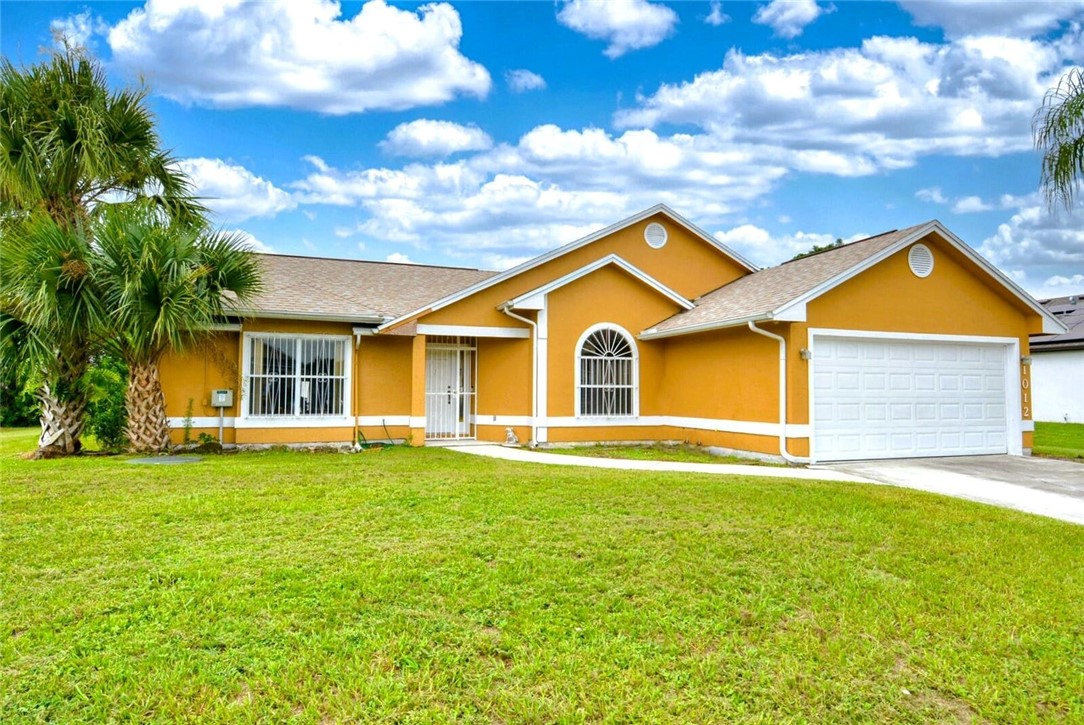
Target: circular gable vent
[920, 259]
[655, 235]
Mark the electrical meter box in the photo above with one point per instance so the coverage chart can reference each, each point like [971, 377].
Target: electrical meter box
[222, 398]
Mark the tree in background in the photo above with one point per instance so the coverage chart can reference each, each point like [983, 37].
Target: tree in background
[164, 284]
[816, 248]
[68, 146]
[1058, 128]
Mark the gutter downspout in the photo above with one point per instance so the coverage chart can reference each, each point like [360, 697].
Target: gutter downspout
[782, 394]
[534, 370]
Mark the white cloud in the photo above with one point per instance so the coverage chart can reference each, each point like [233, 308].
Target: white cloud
[424, 137]
[1045, 248]
[880, 106]
[970, 205]
[932, 194]
[252, 242]
[234, 192]
[788, 18]
[78, 30]
[1076, 282]
[716, 17]
[960, 18]
[398, 258]
[298, 54]
[767, 249]
[522, 80]
[625, 24]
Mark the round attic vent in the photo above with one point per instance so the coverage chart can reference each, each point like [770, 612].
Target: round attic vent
[655, 235]
[920, 259]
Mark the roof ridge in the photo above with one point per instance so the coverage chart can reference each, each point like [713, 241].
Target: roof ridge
[850, 244]
[371, 261]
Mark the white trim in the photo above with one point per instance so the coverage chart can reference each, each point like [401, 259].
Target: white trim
[534, 299]
[202, 421]
[635, 366]
[1014, 423]
[570, 247]
[672, 421]
[225, 327]
[474, 331]
[295, 421]
[246, 366]
[1027, 426]
[653, 334]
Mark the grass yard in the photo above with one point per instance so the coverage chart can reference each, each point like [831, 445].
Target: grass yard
[428, 586]
[658, 452]
[1062, 440]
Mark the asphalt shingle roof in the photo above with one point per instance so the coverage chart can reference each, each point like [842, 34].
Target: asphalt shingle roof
[350, 289]
[1069, 314]
[769, 289]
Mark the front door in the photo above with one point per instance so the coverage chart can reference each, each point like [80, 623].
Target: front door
[449, 388]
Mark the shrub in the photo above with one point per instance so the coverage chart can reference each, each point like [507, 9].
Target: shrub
[106, 414]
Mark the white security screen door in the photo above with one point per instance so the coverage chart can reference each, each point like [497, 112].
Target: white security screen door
[450, 372]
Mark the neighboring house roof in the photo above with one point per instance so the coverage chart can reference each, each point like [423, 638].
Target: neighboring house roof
[352, 290]
[572, 246]
[1070, 312]
[780, 293]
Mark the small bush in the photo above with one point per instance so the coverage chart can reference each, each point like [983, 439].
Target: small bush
[106, 413]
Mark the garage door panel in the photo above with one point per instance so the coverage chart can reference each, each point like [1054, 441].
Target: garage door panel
[891, 399]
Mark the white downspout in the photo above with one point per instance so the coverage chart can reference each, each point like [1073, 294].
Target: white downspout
[534, 370]
[782, 393]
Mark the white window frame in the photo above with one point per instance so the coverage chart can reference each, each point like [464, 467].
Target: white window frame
[295, 420]
[617, 419]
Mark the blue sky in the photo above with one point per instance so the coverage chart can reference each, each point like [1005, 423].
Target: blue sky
[484, 133]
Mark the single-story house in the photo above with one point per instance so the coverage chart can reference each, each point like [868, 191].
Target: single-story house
[901, 345]
[1057, 367]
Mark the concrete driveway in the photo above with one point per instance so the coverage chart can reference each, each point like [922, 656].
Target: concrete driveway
[1043, 486]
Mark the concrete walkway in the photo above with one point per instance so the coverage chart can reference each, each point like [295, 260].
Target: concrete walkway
[954, 478]
[522, 455]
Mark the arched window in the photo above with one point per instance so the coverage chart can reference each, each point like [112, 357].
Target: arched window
[607, 382]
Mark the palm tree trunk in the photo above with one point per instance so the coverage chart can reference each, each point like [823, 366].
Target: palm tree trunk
[148, 428]
[62, 421]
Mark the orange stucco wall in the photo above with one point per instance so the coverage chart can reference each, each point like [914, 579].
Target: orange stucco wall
[192, 376]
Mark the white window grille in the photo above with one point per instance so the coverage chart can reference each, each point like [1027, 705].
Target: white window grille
[297, 376]
[607, 381]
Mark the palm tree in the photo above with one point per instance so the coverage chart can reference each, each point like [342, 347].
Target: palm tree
[163, 284]
[49, 308]
[1058, 128]
[68, 146]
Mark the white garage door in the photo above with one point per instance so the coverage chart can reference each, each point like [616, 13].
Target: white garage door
[900, 399]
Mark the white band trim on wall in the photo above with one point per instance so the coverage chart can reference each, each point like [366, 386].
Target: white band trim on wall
[474, 331]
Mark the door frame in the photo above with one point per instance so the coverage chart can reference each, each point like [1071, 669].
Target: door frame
[1014, 422]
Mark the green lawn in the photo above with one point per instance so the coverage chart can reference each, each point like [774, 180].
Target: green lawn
[658, 452]
[428, 586]
[1063, 440]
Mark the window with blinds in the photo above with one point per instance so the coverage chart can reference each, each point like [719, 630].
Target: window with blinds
[296, 376]
[607, 375]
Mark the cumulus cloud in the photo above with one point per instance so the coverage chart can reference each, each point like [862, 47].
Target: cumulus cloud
[788, 18]
[880, 106]
[78, 30]
[1045, 248]
[398, 258]
[767, 249]
[716, 17]
[299, 54]
[424, 137]
[970, 205]
[625, 24]
[932, 194]
[1025, 19]
[251, 242]
[234, 192]
[522, 80]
